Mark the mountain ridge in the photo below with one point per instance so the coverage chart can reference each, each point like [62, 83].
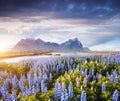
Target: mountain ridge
[38, 44]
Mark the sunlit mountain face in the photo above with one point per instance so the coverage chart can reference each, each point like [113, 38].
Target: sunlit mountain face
[96, 23]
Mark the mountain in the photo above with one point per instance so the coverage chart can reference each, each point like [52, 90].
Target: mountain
[74, 44]
[38, 44]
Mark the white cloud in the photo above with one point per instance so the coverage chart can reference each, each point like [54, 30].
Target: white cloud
[62, 30]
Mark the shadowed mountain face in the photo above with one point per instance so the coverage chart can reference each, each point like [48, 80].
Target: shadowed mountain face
[32, 45]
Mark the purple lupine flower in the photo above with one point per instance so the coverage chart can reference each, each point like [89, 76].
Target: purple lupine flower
[92, 71]
[6, 84]
[57, 91]
[70, 90]
[107, 74]
[14, 82]
[21, 84]
[83, 96]
[33, 89]
[64, 96]
[115, 80]
[103, 87]
[8, 97]
[50, 75]
[43, 86]
[111, 78]
[28, 92]
[45, 76]
[29, 78]
[115, 73]
[40, 77]
[115, 96]
[4, 91]
[35, 78]
[14, 96]
[86, 71]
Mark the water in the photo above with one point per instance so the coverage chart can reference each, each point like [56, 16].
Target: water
[25, 58]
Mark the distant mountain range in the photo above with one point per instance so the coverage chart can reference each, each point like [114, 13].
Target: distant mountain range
[38, 44]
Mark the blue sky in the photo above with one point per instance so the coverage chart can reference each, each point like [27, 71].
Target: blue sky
[95, 23]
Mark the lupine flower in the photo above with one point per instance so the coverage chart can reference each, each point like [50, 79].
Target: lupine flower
[78, 97]
[50, 75]
[92, 71]
[107, 74]
[4, 91]
[43, 86]
[116, 80]
[103, 87]
[29, 80]
[6, 82]
[64, 95]
[70, 90]
[14, 82]
[57, 91]
[85, 81]
[35, 78]
[14, 96]
[83, 96]
[115, 96]
[8, 97]
[33, 89]
[28, 92]
[86, 71]
[111, 78]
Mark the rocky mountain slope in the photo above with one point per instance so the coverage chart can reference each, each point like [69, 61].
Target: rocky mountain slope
[38, 44]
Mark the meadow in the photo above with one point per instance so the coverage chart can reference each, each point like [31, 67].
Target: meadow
[66, 78]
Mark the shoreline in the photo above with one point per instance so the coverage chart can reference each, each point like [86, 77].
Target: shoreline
[8, 55]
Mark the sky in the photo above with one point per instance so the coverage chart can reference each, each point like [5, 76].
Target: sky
[96, 23]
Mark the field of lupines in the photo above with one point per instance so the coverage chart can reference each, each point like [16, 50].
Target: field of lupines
[91, 78]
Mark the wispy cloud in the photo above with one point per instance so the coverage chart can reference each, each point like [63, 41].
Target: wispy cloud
[58, 31]
[112, 45]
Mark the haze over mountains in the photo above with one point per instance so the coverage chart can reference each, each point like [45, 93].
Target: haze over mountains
[38, 44]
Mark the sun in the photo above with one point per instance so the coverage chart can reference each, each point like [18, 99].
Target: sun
[4, 47]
